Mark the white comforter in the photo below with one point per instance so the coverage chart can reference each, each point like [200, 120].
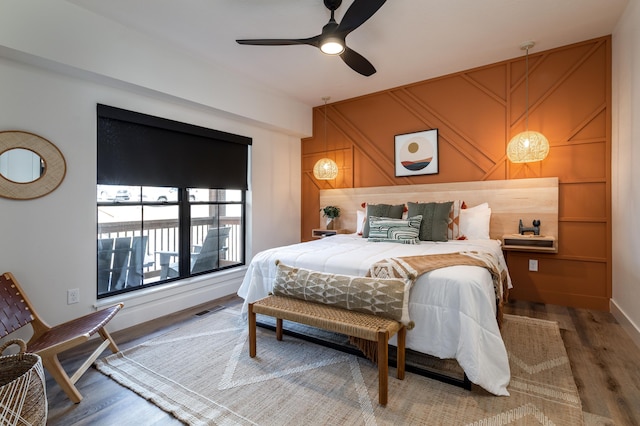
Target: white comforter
[454, 308]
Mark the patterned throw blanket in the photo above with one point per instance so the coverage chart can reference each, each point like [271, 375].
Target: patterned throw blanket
[411, 267]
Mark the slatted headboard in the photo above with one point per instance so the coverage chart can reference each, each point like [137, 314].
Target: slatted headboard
[510, 200]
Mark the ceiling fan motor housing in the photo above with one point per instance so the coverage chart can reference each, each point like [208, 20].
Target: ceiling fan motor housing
[332, 4]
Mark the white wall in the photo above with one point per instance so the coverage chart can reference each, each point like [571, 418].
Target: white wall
[62, 35]
[625, 173]
[50, 243]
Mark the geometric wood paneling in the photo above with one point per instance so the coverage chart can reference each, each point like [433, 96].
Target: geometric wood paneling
[577, 240]
[559, 281]
[576, 201]
[476, 112]
[578, 162]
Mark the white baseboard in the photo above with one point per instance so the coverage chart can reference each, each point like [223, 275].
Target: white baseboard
[627, 324]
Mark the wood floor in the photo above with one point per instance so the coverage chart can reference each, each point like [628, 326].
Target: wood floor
[604, 360]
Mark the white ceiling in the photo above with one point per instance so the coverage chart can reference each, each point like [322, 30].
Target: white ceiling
[406, 40]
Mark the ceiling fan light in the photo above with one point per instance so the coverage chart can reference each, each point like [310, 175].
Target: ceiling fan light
[332, 46]
[528, 147]
[325, 169]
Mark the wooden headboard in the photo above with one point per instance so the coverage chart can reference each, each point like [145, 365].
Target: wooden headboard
[510, 201]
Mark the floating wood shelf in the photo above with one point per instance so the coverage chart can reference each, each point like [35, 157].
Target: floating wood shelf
[532, 243]
[321, 233]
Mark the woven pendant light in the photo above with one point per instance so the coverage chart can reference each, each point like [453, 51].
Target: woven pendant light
[325, 168]
[527, 146]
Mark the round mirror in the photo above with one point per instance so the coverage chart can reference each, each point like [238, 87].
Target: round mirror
[21, 165]
[30, 166]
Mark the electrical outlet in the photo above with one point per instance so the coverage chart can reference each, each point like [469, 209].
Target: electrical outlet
[533, 265]
[73, 296]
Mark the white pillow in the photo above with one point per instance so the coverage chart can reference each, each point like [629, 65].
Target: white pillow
[474, 222]
[360, 218]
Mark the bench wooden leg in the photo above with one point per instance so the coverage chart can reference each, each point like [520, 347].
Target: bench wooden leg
[402, 339]
[383, 366]
[252, 332]
[269, 306]
[279, 328]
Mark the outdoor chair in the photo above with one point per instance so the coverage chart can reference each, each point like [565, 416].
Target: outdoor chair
[113, 261]
[121, 261]
[17, 311]
[105, 254]
[204, 258]
[137, 261]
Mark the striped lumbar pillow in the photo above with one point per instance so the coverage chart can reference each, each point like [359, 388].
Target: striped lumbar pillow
[406, 231]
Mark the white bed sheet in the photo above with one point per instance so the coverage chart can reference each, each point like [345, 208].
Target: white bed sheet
[453, 308]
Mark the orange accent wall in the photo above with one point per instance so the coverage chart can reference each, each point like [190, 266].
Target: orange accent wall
[476, 112]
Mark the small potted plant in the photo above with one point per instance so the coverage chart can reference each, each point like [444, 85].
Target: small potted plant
[331, 213]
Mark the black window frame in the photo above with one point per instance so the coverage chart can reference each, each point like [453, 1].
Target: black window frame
[221, 163]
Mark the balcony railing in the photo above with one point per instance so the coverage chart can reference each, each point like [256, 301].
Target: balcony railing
[162, 236]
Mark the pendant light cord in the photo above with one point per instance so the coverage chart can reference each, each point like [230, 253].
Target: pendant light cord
[527, 89]
[325, 99]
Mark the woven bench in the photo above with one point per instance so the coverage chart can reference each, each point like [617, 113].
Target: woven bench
[338, 320]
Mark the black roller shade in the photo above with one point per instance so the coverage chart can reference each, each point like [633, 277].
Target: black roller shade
[139, 149]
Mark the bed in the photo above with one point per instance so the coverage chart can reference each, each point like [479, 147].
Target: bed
[453, 308]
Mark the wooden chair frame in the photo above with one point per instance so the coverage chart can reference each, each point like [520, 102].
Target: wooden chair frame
[17, 311]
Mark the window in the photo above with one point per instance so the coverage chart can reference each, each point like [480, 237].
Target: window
[170, 200]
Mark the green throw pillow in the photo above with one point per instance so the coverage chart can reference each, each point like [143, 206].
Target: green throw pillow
[384, 229]
[435, 219]
[381, 210]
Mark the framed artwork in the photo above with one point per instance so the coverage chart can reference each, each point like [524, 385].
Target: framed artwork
[416, 153]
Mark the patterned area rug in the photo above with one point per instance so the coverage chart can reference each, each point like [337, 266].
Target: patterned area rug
[202, 374]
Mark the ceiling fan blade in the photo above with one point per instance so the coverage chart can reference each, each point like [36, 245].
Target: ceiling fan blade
[357, 62]
[312, 41]
[357, 14]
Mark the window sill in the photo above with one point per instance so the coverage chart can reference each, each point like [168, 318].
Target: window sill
[158, 292]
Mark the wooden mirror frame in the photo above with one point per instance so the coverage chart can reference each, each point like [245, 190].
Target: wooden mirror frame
[55, 167]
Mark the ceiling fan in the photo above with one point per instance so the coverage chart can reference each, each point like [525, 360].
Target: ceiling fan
[332, 39]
